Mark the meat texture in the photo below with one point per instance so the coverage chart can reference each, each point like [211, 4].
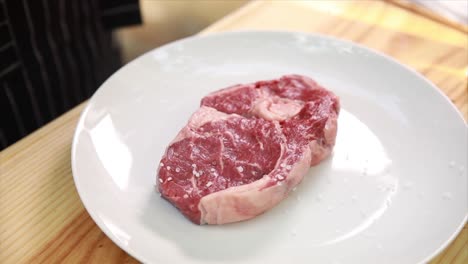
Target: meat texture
[246, 147]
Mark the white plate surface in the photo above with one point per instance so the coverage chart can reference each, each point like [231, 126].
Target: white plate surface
[394, 190]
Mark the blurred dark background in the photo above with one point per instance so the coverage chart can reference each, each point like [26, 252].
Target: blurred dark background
[168, 20]
[54, 54]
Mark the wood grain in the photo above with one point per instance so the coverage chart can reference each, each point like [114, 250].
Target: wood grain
[42, 219]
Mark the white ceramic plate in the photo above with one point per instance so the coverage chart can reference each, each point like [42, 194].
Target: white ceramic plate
[394, 190]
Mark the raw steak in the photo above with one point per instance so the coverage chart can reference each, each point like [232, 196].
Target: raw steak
[246, 147]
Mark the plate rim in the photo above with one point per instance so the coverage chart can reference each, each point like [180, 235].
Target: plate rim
[315, 35]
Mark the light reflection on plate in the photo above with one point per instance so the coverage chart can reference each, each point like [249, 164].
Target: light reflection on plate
[359, 153]
[114, 155]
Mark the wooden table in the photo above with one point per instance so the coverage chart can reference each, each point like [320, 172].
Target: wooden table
[41, 216]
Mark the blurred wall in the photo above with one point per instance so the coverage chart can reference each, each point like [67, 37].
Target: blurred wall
[168, 20]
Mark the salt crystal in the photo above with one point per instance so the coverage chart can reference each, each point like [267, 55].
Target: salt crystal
[288, 167]
[185, 196]
[293, 232]
[452, 164]
[168, 168]
[388, 202]
[363, 213]
[407, 185]
[194, 166]
[212, 169]
[169, 179]
[177, 169]
[319, 197]
[390, 188]
[240, 169]
[160, 180]
[283, 165]
[161, 164]
[447, 196]
[208, 184]
[280, 177]
[254, 173]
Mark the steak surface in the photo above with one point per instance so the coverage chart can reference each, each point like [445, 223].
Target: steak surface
[247, 147]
